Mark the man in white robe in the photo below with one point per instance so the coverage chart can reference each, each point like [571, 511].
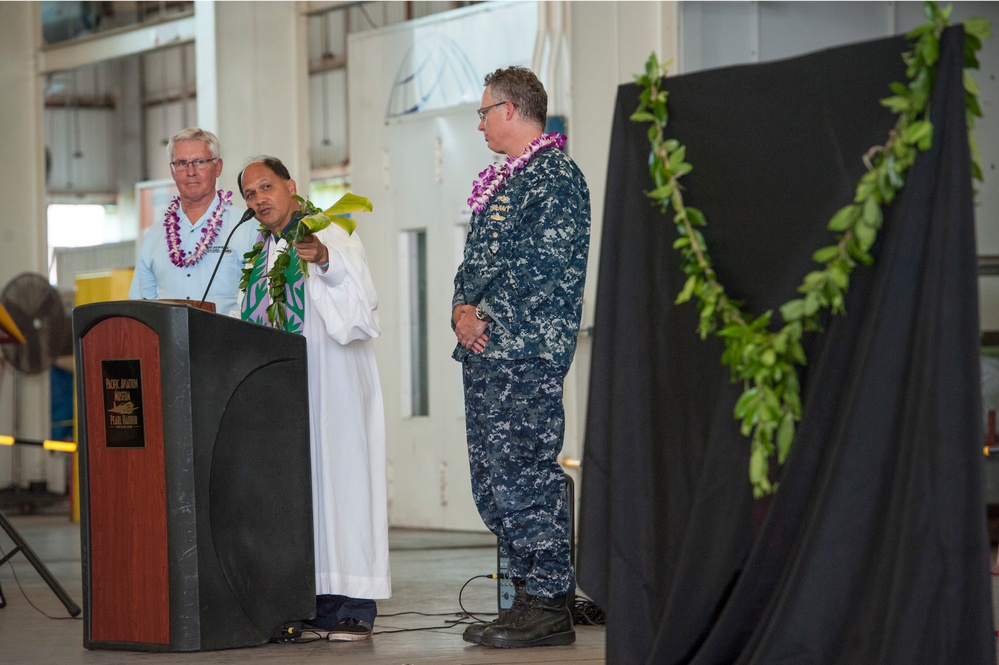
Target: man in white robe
[335, 307]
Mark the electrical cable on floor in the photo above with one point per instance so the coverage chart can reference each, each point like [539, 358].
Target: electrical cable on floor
[295, 635]
[584, 613]
[468, 614]
[460, 617]
[3, 555]
[416, 630]
[302, 636]
[422, 614]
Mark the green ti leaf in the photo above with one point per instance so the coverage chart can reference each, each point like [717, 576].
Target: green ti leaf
[335, 214]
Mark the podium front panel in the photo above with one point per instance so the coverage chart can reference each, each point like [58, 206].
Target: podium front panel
[196, 491]
[127, 488]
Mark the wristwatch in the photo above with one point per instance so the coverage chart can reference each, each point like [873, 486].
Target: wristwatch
[481, 315]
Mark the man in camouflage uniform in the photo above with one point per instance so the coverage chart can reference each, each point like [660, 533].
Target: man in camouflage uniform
[516, 311]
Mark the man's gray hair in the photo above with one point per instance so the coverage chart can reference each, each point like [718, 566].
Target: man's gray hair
[195, 134]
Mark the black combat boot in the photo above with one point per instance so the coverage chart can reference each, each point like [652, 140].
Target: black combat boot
[545, 622]
[473, 633]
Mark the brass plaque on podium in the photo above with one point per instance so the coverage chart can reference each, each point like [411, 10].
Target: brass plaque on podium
[123, 421]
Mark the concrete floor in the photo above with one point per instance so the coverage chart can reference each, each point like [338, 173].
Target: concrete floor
[428, 571]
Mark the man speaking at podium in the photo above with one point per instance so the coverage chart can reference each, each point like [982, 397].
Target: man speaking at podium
[335, 307]
[179, 253]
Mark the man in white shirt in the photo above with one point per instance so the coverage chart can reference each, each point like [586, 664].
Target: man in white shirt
[180, 251]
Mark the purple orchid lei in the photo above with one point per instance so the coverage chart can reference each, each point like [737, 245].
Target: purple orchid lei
[495, 175]
[208, 234]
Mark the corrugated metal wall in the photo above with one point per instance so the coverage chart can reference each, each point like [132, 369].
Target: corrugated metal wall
[72, 261]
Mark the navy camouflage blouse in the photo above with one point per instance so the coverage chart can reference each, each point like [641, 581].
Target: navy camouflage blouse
[525, 262]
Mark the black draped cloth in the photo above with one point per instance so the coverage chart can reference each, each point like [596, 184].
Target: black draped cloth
[874, 548]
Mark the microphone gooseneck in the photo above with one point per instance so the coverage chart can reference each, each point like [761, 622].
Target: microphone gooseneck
[247, 216]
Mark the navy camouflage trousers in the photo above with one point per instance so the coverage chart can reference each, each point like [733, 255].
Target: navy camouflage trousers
[515, 422]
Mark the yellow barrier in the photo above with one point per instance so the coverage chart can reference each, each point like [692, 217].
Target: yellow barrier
[47, 444]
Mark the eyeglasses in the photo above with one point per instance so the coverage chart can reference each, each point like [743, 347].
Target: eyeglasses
[485, 109]
[196, 163]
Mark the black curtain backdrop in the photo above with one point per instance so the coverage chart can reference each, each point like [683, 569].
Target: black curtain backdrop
[874, 549]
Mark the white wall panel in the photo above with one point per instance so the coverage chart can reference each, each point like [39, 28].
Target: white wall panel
[328, 118]
[168, 71]
[328, 34]
[375, 15]
[169, 103]
[716, 34]
[79, 143]
[417, 168]
[792, 28]
[256, 54]
[161, 122]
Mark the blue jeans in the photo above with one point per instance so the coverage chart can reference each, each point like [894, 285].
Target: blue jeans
[332, 609]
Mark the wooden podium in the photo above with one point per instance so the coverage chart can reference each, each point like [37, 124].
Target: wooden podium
[195, 478]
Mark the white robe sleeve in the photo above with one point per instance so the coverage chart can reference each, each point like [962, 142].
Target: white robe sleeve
[343, 296]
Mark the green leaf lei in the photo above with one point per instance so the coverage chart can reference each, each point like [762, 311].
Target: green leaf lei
[763, 359]
[310, 219]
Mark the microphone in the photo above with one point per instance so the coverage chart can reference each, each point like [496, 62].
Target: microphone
[247, 216]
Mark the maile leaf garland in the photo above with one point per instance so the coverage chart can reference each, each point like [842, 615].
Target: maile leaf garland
[766, 360]
[310, 219]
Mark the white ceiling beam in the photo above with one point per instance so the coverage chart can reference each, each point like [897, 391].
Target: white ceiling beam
[117, 44]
